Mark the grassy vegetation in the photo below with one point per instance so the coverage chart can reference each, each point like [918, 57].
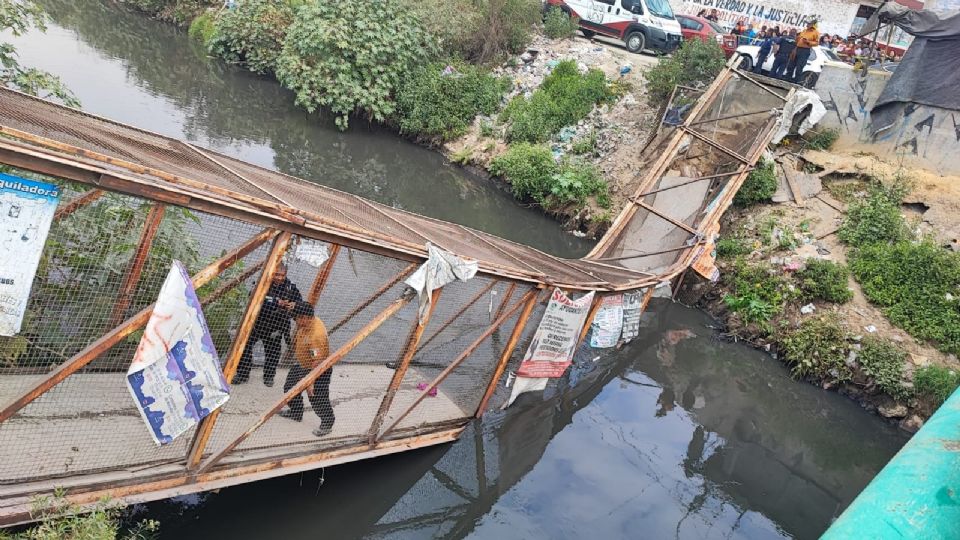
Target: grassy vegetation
[822, 139]
[203, 28]
[916, 284]
[824, 280]
[759, 186]
[877, 218]
[439, 101]
[884, 361]
[564, 98]
[758, 292]
[252, 34]
[936, 382]
[59, 520]
[695, 64]
[585, 145]
[534, 174]
[818, 348]
[730, 247]
[559, 25]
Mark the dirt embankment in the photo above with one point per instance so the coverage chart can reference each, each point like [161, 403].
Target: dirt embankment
[810, 231]
[621, 129]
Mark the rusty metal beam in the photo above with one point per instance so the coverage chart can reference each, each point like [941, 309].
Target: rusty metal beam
[377, 294]
[323, 275]
[506, 298]
[205, 429]
[660, 214]
[307, 380]
[131, 275]
[708, 141]
[79, 202]
[408, 353]
[692, 181]
[507, 352]
[459, 360]
[457, 315]
[94, 350]
[762, 86]
[728, 117]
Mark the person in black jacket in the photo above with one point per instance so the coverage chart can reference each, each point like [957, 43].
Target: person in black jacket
[781, 58]
[271, 327]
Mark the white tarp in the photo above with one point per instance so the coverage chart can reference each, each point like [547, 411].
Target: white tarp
[608, 322]
[311, 252]
[554, 343]
[800, 100]
[631, 315]
[175, 375]
[26, 211]
[442, 267]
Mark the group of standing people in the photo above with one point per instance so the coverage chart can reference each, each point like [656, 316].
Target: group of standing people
[790, 50]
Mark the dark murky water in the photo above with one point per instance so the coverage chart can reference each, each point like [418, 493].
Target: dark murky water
[134, 70]
[675, 436]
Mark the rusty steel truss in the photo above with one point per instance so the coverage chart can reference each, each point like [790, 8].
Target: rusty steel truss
[64, 421]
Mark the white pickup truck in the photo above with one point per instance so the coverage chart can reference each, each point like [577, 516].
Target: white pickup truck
[819, 57]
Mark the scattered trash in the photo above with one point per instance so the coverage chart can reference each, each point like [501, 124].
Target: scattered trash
[871, 328]
[567, 133]
[526, 58]
[552, 63]
[793, 266]
[948, 297]
[808, 309]
[447, 71]
[423, 386]
[625, 69]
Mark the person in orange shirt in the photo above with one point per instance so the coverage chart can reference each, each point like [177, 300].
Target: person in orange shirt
[806, 40]
[310, 347]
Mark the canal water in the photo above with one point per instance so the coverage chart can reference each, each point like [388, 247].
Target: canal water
[677, 435]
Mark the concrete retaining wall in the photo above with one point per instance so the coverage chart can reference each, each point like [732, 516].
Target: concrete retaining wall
[925, 137]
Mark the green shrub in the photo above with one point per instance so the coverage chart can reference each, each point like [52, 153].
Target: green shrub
[884, 361]
[577, 181]
[876, 218]
[695, 64]
[203, 28]
[757, 291]
[440, 105]
[825, 280]
[349, 57]
[916, 284]
[818, 348]
[759, 186]
[175, 11]
[252, 34]
[585, 145]
[559, 25]
[822, 139]
[936, 383]
[60, 520]
[480, 31]
[729, 247]
[534, 174]
[564, 98]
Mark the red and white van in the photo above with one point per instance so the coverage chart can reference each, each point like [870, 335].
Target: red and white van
[641, 24]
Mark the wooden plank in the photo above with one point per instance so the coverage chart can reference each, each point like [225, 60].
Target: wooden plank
[459, 360]
[131, 325]
[791, 177]
[131, 276]
[307, 380]
[79, 202]
[202, 435]
[507, 353]
[408, 353]
[323, 275]
[372, 298]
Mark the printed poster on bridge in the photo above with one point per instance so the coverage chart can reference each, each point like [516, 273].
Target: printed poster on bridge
[26, 212]
[555, 340]
[175, 375]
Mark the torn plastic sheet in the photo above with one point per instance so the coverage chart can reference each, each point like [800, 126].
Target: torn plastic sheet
[442, 267]
[311, 252]
[800, 100]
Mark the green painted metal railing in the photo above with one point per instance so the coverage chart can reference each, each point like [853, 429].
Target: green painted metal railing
[917, 494]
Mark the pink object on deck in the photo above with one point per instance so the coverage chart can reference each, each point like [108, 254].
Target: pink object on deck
[423, 386]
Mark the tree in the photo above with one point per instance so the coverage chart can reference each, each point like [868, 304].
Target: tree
[18, 18]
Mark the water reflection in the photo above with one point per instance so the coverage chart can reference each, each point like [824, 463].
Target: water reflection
[129, 68]
[675, 436]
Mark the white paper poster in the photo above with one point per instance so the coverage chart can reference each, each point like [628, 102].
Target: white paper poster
[175, 376]
[631, 315]
[26, 211]
[554, 343]
[608, 322]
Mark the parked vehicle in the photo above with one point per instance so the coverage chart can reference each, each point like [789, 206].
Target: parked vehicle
[819, 57]
[641, 24]
[693, 27]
